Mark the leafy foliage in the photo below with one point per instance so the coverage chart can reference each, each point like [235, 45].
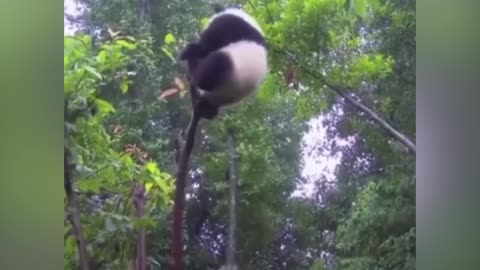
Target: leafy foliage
[105, 172]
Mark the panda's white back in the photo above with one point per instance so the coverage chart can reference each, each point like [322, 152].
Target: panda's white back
[250, 66]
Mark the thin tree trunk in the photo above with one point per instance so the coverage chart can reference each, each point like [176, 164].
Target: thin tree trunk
[185, 148]
[143, 9]
[231, 245]
[74, 214]
[139, 202]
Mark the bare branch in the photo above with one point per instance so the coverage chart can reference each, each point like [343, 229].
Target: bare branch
[403, 139]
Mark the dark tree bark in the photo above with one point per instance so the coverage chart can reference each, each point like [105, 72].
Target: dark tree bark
[232, 173]
[139, 202]
[74, 213]
[179, 201]
[143, 9]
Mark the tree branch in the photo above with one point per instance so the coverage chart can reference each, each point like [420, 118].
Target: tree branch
[74, 216]
[179, 201]
[139, 200]
[403, 139]
[232, 173]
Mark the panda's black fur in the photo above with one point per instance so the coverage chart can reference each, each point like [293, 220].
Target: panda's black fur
[228, 62]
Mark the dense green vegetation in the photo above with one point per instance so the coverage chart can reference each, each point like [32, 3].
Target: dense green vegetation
[126, 101]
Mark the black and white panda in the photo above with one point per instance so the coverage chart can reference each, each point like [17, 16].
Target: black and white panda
[229, 61]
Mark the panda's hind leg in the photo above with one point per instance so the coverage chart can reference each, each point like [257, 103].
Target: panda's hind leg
[207, 110]
[213, 71]
[202, 106]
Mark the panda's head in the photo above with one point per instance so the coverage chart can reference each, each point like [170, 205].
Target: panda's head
[235, 13]
[226, 26]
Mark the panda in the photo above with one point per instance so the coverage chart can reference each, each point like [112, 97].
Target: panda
[228, 62]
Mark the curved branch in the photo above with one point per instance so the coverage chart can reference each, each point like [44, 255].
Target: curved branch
[403, 139]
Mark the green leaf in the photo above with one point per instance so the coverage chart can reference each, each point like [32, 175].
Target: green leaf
[148, 187]
[70, 244]
[143, 223]
[89, 186]
[102, 56]
[130, 38]
[160, 181]
[169, 39]
[168, 54]
[104, 106]
[204, 23]
[92, 71]
[341, 3]
[126, 44]
[360, 7]
[375, 4]
[152, 168]
[124, 87]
